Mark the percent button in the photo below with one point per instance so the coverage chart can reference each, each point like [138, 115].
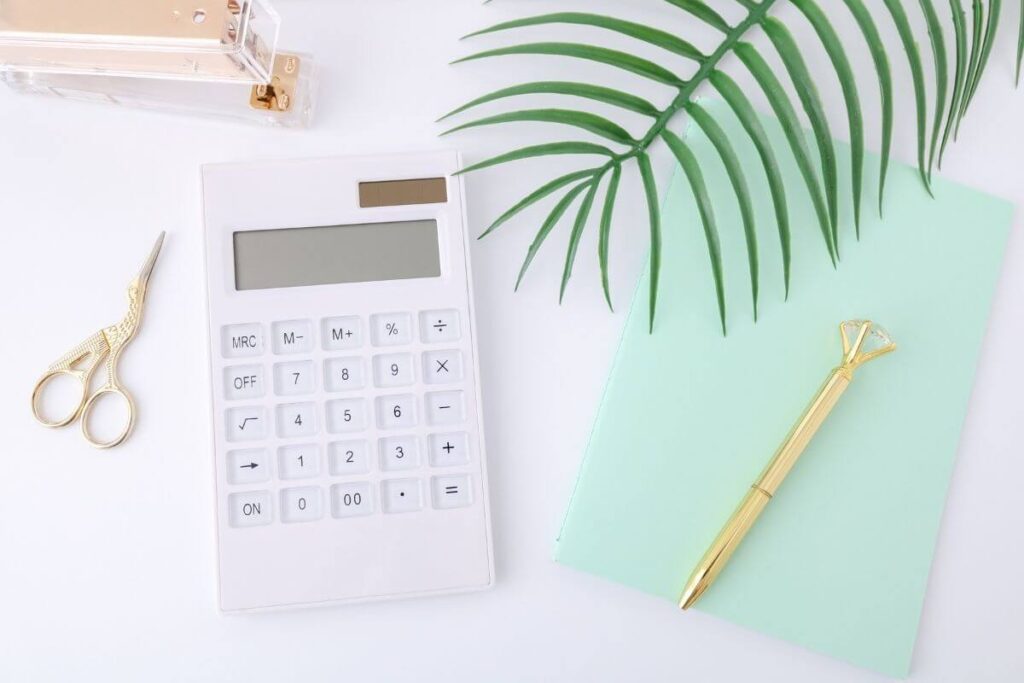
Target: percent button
[392, 329]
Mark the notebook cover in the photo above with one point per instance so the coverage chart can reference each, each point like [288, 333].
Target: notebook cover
[839, 561]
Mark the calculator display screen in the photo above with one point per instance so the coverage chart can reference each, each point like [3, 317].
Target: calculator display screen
[299, 257]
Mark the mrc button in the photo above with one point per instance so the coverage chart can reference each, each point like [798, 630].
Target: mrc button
[239, 341]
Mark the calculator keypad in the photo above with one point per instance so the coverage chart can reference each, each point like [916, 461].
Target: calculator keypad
[357, 416]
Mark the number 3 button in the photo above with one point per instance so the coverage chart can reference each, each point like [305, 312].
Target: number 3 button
[399, 453]
[396, 412]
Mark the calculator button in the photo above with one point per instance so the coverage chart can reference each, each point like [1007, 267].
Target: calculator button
[448, 450]
[339, 334]
[451, 492]
[240, 341]
[293, 336]
[246, 424]
[401, 495]
[442, 367]
[396, 412]
[294, 379]
[252, 508]
[301, 505]
[439, 326]
[343, 374]
[346, 415]
[393, 370]
[351, 500]
[298, 462]
[391, 329]
[399, 453]
[251, 466]
[445, 407]
[242, 382]
[349, 457]
[296, 419]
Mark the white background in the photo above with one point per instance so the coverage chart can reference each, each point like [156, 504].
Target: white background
[107, 559]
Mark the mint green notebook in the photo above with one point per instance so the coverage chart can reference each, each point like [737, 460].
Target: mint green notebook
[839, 561]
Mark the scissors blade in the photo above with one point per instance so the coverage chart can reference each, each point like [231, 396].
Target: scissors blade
[147, 268]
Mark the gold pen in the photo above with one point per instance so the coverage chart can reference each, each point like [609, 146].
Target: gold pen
[862, 341]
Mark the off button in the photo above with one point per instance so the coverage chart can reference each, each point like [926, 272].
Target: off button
[243, 382]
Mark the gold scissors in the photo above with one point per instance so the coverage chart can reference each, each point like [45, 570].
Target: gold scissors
[82, 362]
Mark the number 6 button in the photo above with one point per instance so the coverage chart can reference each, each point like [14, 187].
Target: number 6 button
[396, 412]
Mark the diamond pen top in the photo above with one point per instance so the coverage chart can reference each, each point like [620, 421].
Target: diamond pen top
[863, 341]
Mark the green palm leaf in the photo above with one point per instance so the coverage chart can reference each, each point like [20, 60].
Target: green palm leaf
[606, 230]
[691, 167]
[934, 127]
[744, 111]
[621, 60]
[661, 39]
[960, 72]
[834, 48]
[734, 170]
[592, 123]
[582, 90]
[881, 61]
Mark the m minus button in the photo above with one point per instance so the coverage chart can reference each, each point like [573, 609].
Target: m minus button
[445, 407]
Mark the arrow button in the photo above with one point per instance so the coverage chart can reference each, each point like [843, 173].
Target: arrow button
[247, 466]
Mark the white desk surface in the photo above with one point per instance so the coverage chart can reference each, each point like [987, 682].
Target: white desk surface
[107, 559]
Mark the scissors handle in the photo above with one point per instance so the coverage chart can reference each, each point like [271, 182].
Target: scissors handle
[87, 410]
[82, 376]
[79, 363]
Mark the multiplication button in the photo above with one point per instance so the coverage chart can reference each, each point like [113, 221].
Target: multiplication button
[240, 341]
[245, 424]
[442, 367]
[252, 508]
[243, 382]
[439, 326]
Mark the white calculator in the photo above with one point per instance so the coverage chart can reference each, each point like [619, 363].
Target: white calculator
[348, 440]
